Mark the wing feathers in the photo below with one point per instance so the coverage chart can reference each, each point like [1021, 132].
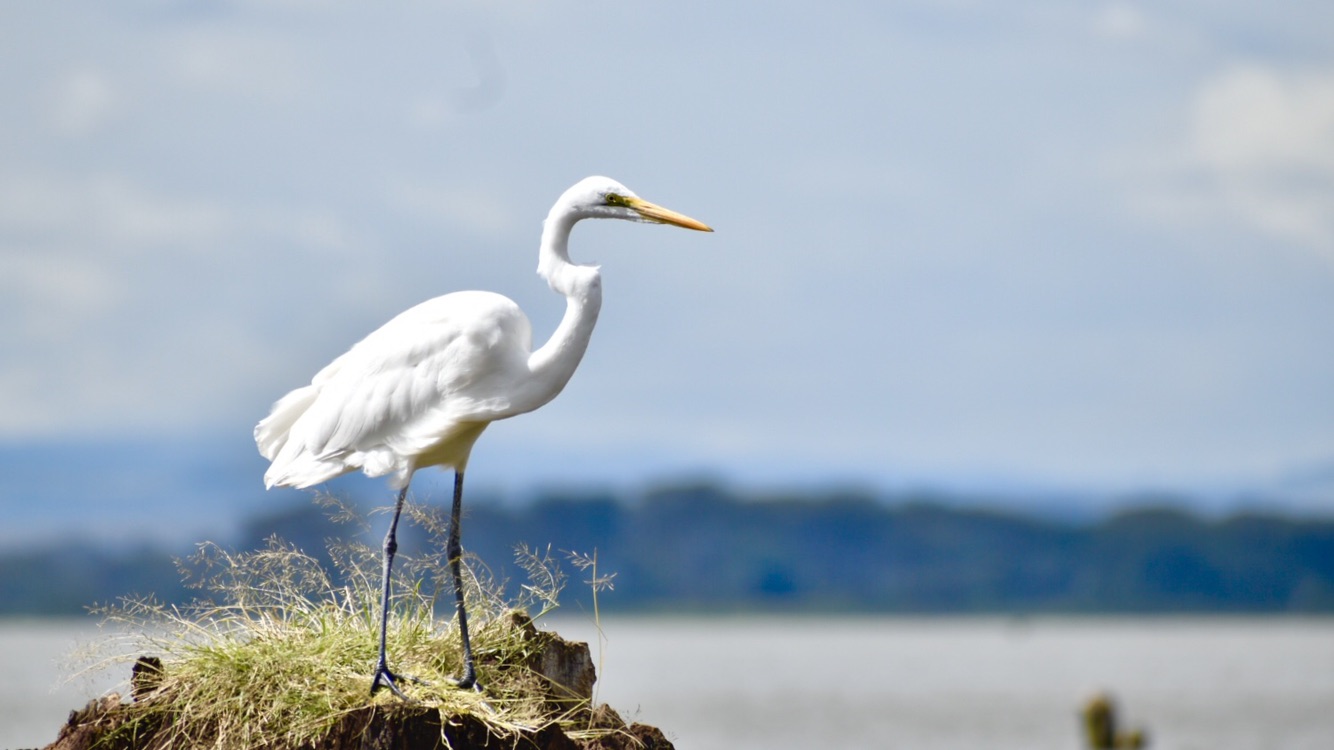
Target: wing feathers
[399, 396]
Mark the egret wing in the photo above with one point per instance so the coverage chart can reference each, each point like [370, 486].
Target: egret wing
[400, 391]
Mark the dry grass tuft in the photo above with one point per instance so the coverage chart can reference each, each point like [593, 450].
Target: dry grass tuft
[275, 653]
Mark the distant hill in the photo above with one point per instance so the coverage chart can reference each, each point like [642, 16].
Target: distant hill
[701, 548]
[171, 490]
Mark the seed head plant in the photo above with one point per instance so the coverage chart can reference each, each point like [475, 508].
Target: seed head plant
[277, 649]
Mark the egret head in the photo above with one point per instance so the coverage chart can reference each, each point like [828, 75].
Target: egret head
[605, 198]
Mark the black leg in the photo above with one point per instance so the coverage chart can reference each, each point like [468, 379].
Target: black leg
[383, 677]
[454, 551]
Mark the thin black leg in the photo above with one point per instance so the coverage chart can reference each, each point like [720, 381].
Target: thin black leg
[383, 677]
[454, 551]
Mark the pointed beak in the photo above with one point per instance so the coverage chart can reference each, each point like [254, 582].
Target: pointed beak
[655, 213]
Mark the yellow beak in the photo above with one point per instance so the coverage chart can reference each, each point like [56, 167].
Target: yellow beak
[656, 213]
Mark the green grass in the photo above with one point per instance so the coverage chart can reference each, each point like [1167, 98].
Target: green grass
[274, 653]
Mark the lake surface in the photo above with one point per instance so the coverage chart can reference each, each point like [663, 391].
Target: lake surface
[919, 683]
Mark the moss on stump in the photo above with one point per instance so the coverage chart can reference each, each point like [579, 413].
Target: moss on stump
[112, 723]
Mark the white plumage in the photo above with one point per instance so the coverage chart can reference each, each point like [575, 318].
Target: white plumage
[417, 391]
[420, 390]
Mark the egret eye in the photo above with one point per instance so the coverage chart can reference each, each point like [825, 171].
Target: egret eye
[615, 200]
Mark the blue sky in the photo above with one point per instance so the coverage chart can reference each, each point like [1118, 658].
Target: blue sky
[1084, 245]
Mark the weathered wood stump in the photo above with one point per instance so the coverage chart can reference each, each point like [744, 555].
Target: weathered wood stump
[382, 727]
[566, 666]
[1102, 729]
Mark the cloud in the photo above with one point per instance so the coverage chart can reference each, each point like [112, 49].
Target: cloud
[1265, 137]
[324, 231]
[129, 301]
[1256, 151]
[111, 212]
[473, 209]
[238, 63]
[53, 296]
[83, 101]
[1120, 21]
[1258, 118]
[912, 263]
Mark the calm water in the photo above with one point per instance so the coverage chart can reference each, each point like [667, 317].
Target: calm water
[1206, 684]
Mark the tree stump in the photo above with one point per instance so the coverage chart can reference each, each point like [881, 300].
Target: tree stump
[566, 666]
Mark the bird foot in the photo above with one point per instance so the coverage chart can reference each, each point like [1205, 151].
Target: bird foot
[470, 683]
[385, 678]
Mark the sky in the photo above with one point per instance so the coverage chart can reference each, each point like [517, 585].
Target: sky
[1069, 244]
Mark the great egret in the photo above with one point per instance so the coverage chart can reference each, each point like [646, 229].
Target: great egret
[420, 390]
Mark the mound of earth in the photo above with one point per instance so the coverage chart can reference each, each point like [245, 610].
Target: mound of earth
[567, 666]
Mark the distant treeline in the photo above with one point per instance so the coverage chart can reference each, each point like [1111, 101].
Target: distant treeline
[703, 549]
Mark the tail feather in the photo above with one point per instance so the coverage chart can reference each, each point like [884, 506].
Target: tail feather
[294, 464]
[284, 439]
[302, 470]
[272, 432]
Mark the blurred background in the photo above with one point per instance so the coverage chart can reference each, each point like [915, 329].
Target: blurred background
[1010, 310]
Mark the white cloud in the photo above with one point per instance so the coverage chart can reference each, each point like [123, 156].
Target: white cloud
[1120, 21]
[53, 295]
[429, 112]
[1257, 151]
[109, 212]
[83, 101]
[323, 230]
[474, 209]
[909, 253]
[120, 293]
[246, 64]
[1259, 118]
[1266, 138]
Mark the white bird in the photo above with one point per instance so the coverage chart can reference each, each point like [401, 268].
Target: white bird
[420, 390]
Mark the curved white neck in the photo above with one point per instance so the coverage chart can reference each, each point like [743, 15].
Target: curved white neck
[553, 364]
